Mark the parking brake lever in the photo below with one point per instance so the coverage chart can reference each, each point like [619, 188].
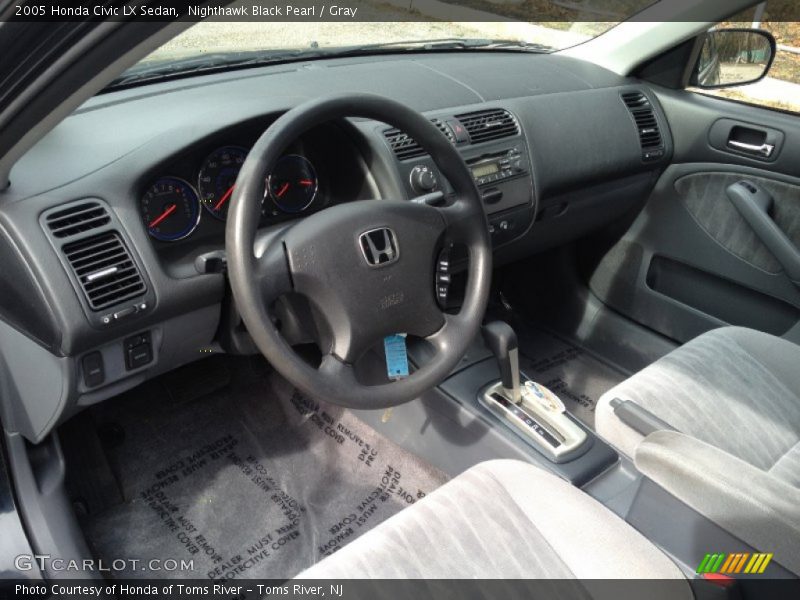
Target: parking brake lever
[755, 204]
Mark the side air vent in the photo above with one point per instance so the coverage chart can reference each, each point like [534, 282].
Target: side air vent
[105, 270]
[485, 125]
[405, 147]
[646, 124]
[78, 218]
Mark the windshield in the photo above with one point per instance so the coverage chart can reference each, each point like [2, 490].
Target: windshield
[388, 26]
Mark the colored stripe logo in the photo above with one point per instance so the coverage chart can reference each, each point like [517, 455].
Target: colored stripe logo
[731, 564]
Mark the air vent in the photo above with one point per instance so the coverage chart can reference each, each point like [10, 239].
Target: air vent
[485, 125]
[405, 147]
[78, 218]
[104, 267]
[646, 124]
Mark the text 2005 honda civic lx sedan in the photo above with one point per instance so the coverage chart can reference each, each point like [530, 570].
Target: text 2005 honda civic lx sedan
[295, 300]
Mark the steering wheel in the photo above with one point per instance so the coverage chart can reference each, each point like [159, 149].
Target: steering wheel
[368, 267]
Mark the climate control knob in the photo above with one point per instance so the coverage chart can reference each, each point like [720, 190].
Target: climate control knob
[423, 179]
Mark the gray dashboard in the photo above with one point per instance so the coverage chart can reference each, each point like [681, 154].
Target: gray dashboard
[581, 150]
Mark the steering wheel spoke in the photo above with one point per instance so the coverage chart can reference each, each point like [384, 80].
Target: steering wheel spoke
[460, 216]
[442, 339]
[271, 273]
[333, 366]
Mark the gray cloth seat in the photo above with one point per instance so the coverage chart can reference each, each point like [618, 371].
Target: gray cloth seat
[733, 388]
[501, 519]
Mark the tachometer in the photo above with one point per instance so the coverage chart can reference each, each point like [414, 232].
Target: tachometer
[170, 209]
[218, 177]
[293, 183]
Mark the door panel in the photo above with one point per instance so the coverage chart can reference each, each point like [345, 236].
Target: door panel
[704, 195]
[692, 118]
[691, 261]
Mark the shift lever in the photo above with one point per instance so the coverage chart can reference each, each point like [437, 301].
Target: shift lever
[532, 411]
[502, 341]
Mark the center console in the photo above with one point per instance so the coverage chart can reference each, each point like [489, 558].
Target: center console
[455, 428]
[542, 434]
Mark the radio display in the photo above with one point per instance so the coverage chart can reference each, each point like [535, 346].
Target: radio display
[485, 169]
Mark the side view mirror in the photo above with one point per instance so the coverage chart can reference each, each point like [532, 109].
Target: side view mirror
[733, 57]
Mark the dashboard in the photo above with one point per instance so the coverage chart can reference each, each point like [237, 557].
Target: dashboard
[107, 218]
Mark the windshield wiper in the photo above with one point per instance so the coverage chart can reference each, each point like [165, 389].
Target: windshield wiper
[150, 72]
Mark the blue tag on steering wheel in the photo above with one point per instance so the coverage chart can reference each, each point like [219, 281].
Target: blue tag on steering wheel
[396, 356]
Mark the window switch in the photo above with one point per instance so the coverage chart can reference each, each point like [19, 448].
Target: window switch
[93, 369]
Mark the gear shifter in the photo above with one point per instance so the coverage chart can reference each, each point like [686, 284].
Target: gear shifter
[531, 410]
[502, 341]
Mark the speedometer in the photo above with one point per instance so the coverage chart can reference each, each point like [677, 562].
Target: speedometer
[218, 177]
[170, 209]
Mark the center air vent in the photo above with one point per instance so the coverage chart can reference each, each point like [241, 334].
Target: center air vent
[405, 147]
[646, 124]
[492, 124]
[78, 218]
[105, 270]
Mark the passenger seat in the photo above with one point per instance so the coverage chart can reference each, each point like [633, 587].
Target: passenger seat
[733, 388]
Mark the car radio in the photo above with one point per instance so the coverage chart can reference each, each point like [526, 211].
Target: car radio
[502, 173]
[497, 167]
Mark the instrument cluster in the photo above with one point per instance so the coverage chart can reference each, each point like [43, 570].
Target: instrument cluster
[172, 206]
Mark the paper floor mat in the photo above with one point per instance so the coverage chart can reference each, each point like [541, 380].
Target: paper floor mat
[577, 377]
[255, 481]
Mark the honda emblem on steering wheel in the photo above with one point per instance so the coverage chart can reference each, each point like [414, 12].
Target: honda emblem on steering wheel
[379, 247]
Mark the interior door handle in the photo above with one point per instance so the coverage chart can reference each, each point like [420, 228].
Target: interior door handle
[764, 150]
[754, 204]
